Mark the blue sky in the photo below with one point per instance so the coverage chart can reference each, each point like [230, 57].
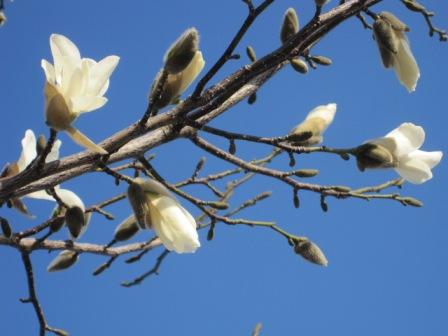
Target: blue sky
[387, 263]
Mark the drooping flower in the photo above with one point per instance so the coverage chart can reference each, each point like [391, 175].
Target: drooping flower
[155, 208]
[400, 149]
[74, 85]
[314, 125]
[180, 72]
[389, 33]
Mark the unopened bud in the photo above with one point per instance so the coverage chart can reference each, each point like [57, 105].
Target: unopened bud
[387, 41]
[372, 156]
[126, 229]
[323, 204]
[41, 144]
[57, 113]
[311, 252]
[75, 220]
[252, 98]
[57, 223]
[321, 60]
[296, 199]
[306, 172]
[64, 260]
[138, 200]
[413, 5]
[412, 202]
[299, 65]
[2, 18]
[211, 233]
[6, 228]
[395, 22]
[320, 3]
[342, 189]
[290, 25]
[182, 51]
[251, 54]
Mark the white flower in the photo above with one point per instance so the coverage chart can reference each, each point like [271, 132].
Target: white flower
[74, 86]
[159, 210]
[403, 144]
[29, 153]
[316, 122]
[389, 33]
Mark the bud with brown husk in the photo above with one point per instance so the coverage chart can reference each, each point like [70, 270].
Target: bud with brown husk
[310, 251]
[321, 60]
[64, 260]
[299, 65]
[372, 155]
[126, 229]
[6, 228]
[290, 25]
[182, 51]
[75, 220]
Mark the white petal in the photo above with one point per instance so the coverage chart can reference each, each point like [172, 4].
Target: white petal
[172, 225]
[408, 138]
[86, 104]
[29, 151]
[414, 171]
[76, 85]
[99, 75]
[432, 159]
[49, 71]
[191, 71]
[41, 194]
[70, 198]
[54, 154]
[406, 66]
[64, 52]
[325, 112]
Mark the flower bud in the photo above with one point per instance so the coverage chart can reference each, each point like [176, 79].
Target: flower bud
[413, 5]
[57, 113]
[299, 65]
[320, 3]
[75, 220]
[138, 200]
[252, 98]
[127, 229]
[251, 54]
[371, 156]
[290, 25]
[182, 51]
[387, 41]
[310, 251]
[321, 60]
[64, 260]
[218, 205]
[412, 202]
[306, 172]
[2, 18]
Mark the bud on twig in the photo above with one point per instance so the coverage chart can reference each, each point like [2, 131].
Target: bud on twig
[321, 60]
[306, 172]
[310, 251]
[182, 51]
[252, 98]
[251, 54]
[323, 204]
[290, 25]
[41, 144]
[299, 65]
[138, 200]
[64, 260]
[126, 229]
[232, 146]
[412, 202]
[6, 228]
[75, 220]
[296, 199]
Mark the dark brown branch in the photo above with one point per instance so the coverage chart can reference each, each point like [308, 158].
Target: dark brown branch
[43, 326]
[43, 156]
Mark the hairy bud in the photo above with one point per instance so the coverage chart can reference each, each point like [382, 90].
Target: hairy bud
[290, 25]
[138, 200]
[299, 65]
[64, 260]
[41, 144]
[413, 5]
[371, 156]
[412, 202]
[321, 60]
[306, 172]
[126, 229]
[75, 220]
[310, 251]
[182, 51]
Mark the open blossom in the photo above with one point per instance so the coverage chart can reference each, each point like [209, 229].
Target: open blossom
[74, 85]
[389, 33]
[315, 124]
[155, 208]
[400, 149]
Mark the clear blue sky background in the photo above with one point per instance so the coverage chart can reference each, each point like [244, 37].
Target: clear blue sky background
[387, 272]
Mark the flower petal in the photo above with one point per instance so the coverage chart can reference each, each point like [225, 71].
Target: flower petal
[41, 194]
[191, 71]
[414, 171]
[406, 66]
[70, 198]
[82, 104]
[172, 225]
[325, 112]
[54, 153]
[408, 138]
[64, 53]
[99, 75]
[49, 71]
[29, 151]
[432, 159]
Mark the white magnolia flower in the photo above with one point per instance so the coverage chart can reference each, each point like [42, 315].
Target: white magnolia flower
[74, 86]
[29, 153]
[406, 158]
[389, 33]
[155, 208]
[316, 122]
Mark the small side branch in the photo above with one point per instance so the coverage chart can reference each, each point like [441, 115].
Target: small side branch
[43, 326]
